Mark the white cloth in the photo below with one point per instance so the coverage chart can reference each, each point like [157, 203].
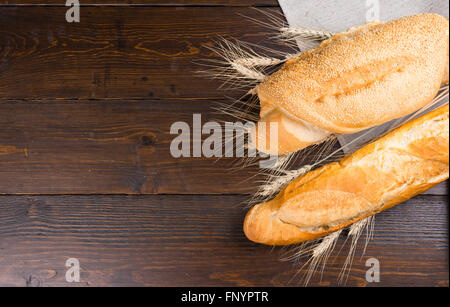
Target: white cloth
[339, 15]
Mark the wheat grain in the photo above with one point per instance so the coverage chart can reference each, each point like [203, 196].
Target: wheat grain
[302, 33]
[320, 254]
[355, 232]
[279, 182]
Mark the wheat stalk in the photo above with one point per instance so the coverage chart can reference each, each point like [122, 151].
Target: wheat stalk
[355, 232]
[256, 61]
[247, 72]
[320, 254]
[240, 62]
[325, 245]
[280, 181]
[292, 33]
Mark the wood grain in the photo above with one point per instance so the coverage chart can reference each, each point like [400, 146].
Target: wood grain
[196, 241]
[96, 147]
[117, 52]
[86, 109]
[441, 189]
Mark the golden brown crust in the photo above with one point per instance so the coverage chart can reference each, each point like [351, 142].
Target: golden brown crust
[363, 77]
[398, 166]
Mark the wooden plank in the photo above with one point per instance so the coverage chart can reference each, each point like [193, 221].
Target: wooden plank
[441, 189]
[91, 147]
[148, 2]
[197, 241]
[116, 52]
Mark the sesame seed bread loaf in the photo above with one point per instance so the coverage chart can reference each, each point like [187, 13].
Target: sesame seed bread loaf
[355, 80]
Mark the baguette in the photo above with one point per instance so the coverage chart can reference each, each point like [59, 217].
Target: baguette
[405, 162]
[355, 80]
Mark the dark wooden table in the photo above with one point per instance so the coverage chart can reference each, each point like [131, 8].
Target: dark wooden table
[86, 172]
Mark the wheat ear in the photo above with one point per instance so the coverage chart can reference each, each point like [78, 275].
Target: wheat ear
[240, 61]
[291, 33]
[355, 231]
[274, 186]
[277, 23]
[320, 254]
